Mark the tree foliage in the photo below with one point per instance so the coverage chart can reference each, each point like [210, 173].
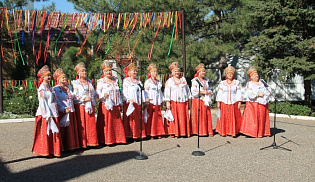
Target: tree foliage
[284, 38]
[213, 29]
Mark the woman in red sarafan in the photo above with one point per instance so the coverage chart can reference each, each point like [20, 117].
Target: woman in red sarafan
[229, 99]
[110, 129]
[201, 101]
[154, 126]
[176, 95]
[84, 103]
[67, 118]
[47, 140]
[132, 105]
[256, 114]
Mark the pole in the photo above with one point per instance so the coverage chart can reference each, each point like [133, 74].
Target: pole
[141, 156]
[184, 43]
[1, 88]
[198, 152]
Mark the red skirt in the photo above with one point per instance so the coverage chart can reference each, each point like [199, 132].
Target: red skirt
[110, 129]
[230, 120]
[181, 125]
[43, 144]
[86, 126]
[155, 125]
[132, 122]
[205, 121]
[255, 120]
[69, 134]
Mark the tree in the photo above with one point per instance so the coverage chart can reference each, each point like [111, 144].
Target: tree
[213, 28]
[285, 38]
[11, 4]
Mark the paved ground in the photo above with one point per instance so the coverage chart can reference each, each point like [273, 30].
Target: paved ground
[170, 159]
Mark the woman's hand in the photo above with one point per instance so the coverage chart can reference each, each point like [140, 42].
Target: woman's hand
[218, 104]
[67, 110]
[168, 105]
[86, 99]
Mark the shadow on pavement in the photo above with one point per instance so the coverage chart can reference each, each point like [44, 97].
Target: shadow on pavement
[274, 131]
[67, 169]
[177, 146]
[227, 142]
[296, 124]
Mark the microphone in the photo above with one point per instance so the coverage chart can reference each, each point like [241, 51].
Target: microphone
[141, 87]
[264, 82]
[199, 82]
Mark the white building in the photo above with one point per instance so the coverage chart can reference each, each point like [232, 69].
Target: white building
[290, 90]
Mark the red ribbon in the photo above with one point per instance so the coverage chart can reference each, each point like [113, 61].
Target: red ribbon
[157, 31]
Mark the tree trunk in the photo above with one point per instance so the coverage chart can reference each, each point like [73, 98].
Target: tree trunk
[308, 93]
[222, 65]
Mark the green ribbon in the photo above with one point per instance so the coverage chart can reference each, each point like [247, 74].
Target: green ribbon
[14, 51]
[30, 85]
[119, 83]
[17, 40]
[110, 41]
[169, 50]
[63, 27]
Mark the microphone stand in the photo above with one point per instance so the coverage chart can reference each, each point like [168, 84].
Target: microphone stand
[274, 144]
[198, 152]
[141, 156]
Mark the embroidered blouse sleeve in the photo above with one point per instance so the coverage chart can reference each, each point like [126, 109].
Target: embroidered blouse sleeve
[167, 91]
[187, 89]
[266, 94]
[194, 88]
[76, 92]
[251, 94]
[99, 88]
[145, 95]
[220, 92]
[238, 92]
[60, 105]
[125, 90]
[147, 87]
[43, 104]
[94, 94]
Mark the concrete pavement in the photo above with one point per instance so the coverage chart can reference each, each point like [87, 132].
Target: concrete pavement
[170, 159]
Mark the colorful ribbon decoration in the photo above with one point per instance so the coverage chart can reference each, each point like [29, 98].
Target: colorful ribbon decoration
[35, 21]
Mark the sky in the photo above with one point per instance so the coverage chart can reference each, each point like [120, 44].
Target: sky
[61, 5]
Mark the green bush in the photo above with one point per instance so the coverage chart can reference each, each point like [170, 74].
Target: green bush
[10, 115]
[21, 101]
[292, 109]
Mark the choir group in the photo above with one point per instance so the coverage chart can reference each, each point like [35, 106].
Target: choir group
[65, 119]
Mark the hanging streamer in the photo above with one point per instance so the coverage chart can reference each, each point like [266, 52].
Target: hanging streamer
[63, 26]
[9, 30]
[156, 33]
[169, 50]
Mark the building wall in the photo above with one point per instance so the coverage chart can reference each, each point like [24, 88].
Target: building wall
[290, 90]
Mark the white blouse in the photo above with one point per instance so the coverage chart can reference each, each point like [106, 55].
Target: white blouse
[64, 98]
[229, 93]
[82, 90]
[195, 88]
[153, 91]
[111, 88]
[177, 91]
[252, 91]
[131, 91]
[47, 102]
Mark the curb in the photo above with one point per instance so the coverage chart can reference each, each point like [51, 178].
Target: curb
[17, 120]
[213, 111]
[292, 117]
